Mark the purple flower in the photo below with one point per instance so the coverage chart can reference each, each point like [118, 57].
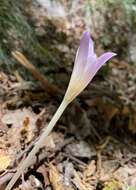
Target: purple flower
[86, 66]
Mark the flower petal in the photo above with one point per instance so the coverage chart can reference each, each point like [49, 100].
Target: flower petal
[92, 68]
[91, 47]
[91, 54]
[103, 59]
[82, 53]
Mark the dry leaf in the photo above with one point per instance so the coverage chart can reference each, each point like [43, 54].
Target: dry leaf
[4, 160]
[55, 178]
[44, 171]
[80, 183]
[23, 119]
[20, 118]
[80, 149]
[89, 171]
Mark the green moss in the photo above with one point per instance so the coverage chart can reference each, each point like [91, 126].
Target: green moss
[13, 25]
[17, 32]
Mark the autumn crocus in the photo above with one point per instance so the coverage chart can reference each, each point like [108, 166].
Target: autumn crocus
[86, 66]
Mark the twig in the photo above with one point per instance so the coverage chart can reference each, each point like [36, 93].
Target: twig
[100, 148]
[50, 88]
[75, 159]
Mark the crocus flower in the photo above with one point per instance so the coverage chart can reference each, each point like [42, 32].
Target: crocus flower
[86, 66]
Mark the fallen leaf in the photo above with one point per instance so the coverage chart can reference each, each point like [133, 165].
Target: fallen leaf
[89, 171]
[80, 149]
[4, 160]
[44, 171]
[80, 183]
[55, 178]
[20, 118]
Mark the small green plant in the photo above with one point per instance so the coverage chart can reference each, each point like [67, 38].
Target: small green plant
[112, 185]
[132, 188]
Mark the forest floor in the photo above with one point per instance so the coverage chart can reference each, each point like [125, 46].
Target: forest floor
[91, 148]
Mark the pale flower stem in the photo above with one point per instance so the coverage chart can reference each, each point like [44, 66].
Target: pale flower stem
[24, 164]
